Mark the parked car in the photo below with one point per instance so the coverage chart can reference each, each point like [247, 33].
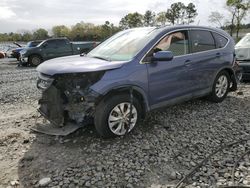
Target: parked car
[242, 50]
[52, 48]
[8, 47]
[146, 67]
[2, 54]
[15, 53]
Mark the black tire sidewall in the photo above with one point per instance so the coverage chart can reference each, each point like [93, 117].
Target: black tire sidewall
[213, 96]
[104, 108]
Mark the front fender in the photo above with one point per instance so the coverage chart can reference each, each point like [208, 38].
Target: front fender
[135, 88]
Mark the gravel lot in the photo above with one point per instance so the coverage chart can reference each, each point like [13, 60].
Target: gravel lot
[160, 152]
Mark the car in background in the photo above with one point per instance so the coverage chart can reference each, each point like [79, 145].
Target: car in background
[15, 53]
[52, 48]
[2, 55]
[242, 51]
[136, 71]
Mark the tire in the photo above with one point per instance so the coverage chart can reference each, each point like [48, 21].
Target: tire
[106, 115]
[35, 60]
[220, 87]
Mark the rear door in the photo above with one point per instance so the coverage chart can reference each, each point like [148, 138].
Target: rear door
[168, 79]
[203, 61]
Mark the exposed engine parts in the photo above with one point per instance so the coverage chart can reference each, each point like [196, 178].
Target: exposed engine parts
[68, 97]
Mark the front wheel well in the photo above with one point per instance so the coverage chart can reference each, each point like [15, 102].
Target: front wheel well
[126, 90]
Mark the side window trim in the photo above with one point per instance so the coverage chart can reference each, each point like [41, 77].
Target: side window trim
[228, 40]
[189, 30]
[189, 42]
[215, 42]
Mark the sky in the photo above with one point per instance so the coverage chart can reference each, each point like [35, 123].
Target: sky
[21, 15]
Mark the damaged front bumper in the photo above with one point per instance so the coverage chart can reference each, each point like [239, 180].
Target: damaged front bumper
[66, 100]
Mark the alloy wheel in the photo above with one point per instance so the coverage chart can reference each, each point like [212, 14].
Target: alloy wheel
[118, 120]
[221, 86]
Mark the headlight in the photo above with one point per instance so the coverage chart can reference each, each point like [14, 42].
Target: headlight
[43, 82]
[23, 52]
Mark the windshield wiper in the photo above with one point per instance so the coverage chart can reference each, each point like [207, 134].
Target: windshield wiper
[102, 58]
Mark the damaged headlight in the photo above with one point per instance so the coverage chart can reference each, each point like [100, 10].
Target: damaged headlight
[44, 82]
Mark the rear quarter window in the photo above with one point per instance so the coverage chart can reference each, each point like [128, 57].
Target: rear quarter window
[220, 40]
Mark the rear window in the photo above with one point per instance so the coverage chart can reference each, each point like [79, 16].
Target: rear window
[202, 41]
[220, 40]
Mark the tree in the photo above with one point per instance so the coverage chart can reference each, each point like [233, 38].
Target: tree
[27, 36]
[60, 31]
[131, 20]
[40, 34]
[83, 31]
[238, 10]
[149, 18]
[16, 37]
[181, 14]
[175, 12]
[191, 13]
[161, 18]
[216, 17]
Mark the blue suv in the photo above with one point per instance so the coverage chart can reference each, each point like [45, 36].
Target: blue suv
[134, 72]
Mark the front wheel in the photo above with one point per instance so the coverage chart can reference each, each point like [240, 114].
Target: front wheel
[35, 60]
[112, 116]
[220, 87]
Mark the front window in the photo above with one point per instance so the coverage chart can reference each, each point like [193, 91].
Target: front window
[176, 42]
[124, 45]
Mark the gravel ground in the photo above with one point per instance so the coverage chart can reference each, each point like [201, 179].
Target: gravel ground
[160, 152]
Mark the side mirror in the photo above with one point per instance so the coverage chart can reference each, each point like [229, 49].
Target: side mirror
[163, 56]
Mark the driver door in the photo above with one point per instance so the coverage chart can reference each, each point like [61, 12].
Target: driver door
[50, 49]
[168, 80]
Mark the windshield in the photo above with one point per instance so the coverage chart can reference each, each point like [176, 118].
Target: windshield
[28, 44]
[33, 44]
[124, 45]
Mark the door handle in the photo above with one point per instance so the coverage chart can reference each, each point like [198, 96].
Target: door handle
[188, 62]
[218, 54]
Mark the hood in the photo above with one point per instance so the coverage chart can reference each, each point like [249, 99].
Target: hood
[18, 49]
[76, 64]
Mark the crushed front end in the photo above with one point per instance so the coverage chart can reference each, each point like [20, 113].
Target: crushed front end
[68, 97]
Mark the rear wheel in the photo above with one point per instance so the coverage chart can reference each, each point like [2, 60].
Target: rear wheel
[220, 87]
[112, 116]
[35, 60]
